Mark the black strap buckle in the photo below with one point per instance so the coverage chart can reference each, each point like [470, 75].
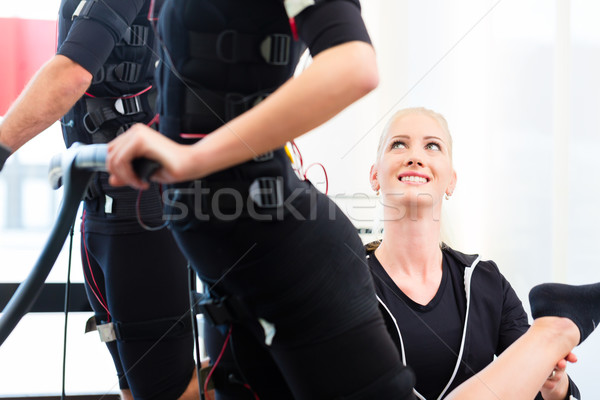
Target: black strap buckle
[265, 157]
[123, 128]
[136, 35]
[275, 49]
[127, 72]
[267, 192]
[128, 106]
[89, 124]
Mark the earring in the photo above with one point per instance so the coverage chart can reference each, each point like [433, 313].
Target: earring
[377, 192]
[447, 196]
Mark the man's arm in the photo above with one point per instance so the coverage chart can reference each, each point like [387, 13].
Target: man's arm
[49, 95]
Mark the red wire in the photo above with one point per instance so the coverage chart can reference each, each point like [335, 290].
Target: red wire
[250, 389]
[218, 359]
[87, 257]
[247, 386]
[137, 94]
[123, 97]
[294, 28]
[154, 120]
[151, 16]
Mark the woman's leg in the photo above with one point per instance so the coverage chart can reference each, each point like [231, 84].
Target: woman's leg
[564, 317]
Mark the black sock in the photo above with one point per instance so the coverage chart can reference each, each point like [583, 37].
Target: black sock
[581, 304]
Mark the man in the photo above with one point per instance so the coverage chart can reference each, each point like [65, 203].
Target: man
[136, 278]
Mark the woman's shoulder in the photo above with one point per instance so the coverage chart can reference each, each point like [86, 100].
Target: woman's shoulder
[470, 260]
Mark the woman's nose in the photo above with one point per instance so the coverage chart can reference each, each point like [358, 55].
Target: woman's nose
[414, 161]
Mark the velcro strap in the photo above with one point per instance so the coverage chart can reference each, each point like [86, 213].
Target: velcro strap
[145, 330]
[98, 10]
[155, 329]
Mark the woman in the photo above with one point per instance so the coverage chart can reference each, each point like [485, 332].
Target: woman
[247, 226]
[449, 313]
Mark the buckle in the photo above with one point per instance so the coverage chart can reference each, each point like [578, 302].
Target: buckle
[227, 40]
[265, 157]
[127, 72]
[83, 9]
[107, 332]
[136, 35]
[123, 128]
[128, 106]
[275, 49]
[220, 311]
[267, 192]
[89, 124]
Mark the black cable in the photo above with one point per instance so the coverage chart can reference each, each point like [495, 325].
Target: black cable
[67, 297]
[192, 291]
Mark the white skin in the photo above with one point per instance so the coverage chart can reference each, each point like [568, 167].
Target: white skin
[416, 146]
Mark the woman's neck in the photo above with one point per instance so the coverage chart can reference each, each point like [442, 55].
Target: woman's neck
[411, 246]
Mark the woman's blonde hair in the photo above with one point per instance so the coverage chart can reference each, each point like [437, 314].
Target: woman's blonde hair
[439, 118]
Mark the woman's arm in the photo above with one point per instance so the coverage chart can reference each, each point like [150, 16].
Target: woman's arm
[337, 77]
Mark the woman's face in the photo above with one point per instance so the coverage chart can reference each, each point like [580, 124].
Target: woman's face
[415, 166]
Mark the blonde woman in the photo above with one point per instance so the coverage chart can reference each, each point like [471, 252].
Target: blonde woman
[449, 313]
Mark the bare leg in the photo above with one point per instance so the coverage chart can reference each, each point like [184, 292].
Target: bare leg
[126, 394]
[522, 369]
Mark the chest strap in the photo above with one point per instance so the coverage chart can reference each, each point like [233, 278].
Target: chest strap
[103, 110]
[233, 47]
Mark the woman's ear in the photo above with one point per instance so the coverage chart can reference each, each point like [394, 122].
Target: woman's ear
[373, 178]
[452, 184]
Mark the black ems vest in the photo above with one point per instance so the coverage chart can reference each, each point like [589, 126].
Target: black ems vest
[220, 58]
[121, 92]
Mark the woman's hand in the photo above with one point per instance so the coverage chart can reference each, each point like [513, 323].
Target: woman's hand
[557, 384]
[176, 160]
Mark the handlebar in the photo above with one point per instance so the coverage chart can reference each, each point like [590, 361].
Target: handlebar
[74, 169]
[92, 157]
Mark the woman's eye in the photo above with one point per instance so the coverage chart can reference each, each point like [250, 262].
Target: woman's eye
[398, 145]
[433, 146]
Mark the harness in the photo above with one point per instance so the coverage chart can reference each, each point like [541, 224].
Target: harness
[121, 92]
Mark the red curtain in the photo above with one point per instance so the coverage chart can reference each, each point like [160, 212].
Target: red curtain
[25, 46]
